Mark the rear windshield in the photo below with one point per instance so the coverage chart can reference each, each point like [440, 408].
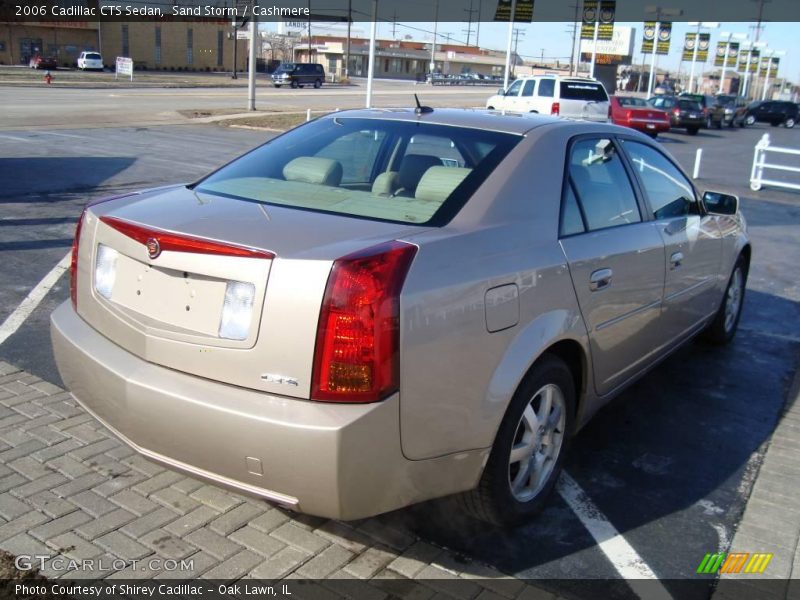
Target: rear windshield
[579, 90]
[384, 170]
[636, 102]
[689, 105]
[93, 56]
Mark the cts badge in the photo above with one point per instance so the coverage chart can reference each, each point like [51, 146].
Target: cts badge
[153, 248]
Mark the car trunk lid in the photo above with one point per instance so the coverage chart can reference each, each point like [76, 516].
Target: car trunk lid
[181, 259]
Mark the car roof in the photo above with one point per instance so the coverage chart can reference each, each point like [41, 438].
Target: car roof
[492, 120]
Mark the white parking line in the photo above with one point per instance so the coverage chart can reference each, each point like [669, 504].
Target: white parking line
[626, 561]
[32, 300]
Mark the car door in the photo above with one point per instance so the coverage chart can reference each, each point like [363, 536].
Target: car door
[525, 100]
[510, 100]
[691, 238]
[616, 261]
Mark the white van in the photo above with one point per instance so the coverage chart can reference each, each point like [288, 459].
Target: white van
[571, 97]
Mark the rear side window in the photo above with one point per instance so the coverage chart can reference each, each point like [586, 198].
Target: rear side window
[587, 92]
[547, 87]
[571, 219]
[689, 105]
[603, 190]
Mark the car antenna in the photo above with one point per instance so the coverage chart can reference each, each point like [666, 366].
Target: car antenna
[421, 110]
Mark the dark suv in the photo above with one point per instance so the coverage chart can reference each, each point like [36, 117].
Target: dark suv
[298, 74]
[774, 112]
[713, 111]
[684, 113]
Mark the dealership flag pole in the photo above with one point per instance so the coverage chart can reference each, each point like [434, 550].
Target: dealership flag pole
[251, 83]
[694, 56]
[653, 57]
[508, 46]
[594, 47]
[371, 68]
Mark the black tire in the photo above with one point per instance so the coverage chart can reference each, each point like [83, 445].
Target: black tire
[789, 123]
[490, 108]
[294, 84]
[652, 134]
[722, 329]
[493, 500]
[749, 120]
[692, 130]
[277, 85]
[317, 84]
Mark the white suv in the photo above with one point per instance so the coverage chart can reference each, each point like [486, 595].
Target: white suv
[90, 60]
[571, 97]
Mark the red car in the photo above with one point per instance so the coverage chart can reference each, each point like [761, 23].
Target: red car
[637, 114]
[43, 62]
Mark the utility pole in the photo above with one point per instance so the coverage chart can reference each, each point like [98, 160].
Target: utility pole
[517, 32]
[478, 29]
[468, 30]
[309, 30]
[758, 27]
[508, 43]
[394, 25]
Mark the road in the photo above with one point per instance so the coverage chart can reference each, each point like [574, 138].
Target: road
[670, 463]
[44, 108]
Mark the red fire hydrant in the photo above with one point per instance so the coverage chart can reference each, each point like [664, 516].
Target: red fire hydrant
[47, 77]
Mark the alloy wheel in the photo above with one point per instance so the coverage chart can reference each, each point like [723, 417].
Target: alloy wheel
[537, 443]
[733, 299]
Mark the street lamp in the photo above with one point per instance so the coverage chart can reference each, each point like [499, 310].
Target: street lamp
[728, 38]
[699, 25]
[658, 12]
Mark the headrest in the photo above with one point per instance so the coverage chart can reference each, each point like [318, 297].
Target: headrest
[439, 182]
[385, 184]
[314, 169]
[413, 167]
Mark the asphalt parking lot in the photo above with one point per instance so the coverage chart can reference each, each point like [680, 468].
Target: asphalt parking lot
[670, 463]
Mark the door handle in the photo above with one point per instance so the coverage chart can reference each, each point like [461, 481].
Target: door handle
[675, 260]
[600, 279]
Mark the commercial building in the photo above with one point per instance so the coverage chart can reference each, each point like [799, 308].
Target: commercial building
[397, 59]
[203, 45]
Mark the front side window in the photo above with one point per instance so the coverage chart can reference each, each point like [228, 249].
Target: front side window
[601, 184]
[514, 89]
[669, 192]
[388, 170]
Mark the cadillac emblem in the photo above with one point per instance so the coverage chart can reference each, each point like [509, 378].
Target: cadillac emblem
[153, 248]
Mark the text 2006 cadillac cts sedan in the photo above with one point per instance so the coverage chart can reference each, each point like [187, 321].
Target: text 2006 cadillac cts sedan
[385, 306]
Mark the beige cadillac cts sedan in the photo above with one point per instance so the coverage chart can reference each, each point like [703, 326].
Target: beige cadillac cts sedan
[385, 306]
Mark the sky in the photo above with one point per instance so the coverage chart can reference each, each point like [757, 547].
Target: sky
[555, 39]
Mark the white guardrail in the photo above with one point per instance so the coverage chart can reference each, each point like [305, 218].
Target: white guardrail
[760, 163]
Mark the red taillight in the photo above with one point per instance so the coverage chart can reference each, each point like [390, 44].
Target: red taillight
[182, 243]
[555, 108]
[676, 111]
[73, 265]
[358, 337]
[628, 114]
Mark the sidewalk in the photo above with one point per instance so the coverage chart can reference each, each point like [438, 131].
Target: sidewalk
[771, 521]
[69, 490]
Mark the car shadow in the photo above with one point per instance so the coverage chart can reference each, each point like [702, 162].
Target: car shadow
[39, 176]
[675, 452]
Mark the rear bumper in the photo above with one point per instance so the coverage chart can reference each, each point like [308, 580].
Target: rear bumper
[336, 461]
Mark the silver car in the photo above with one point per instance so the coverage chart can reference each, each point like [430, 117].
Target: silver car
[385, 306]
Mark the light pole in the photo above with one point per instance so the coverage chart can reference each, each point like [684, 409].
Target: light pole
[508, 45]
[728, 38]
[433, 46]
[770, 54]
[699, 25]
[751, 47]
[371, 67]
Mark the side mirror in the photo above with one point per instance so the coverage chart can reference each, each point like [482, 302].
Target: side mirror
[721, 204]
[501, 92]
